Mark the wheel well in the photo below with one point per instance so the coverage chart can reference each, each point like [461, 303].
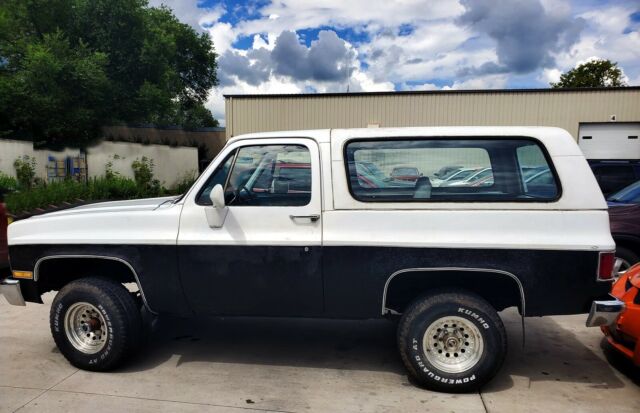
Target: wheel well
[54, 273]
[499, 289]
[629, 243]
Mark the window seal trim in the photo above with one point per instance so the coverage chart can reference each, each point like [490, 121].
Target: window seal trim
[234, 154]
[233, 163]
[539, 143]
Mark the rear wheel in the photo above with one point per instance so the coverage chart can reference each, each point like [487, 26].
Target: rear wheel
[625, 259]
[452, 341]
[95, 323]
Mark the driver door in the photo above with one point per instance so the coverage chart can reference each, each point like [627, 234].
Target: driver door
[266, 258]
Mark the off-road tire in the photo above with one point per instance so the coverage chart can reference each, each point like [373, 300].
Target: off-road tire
[118, 309]
[628, 255]
[477, 314]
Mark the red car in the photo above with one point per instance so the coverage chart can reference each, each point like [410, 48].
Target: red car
[405, 173]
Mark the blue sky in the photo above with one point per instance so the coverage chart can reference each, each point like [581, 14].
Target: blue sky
[294, 46]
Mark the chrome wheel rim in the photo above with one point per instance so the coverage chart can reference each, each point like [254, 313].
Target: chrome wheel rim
[620, 266]
[452, 344]
[85, 328]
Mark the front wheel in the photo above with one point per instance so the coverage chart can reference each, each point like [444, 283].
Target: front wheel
[95, 323]
[452, 341]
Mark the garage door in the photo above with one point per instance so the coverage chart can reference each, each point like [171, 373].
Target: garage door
[610, 140]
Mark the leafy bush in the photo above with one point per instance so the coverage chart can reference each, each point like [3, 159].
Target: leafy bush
[25, 170]
[143, 175]
[108, 168]
[184, 183]
[70, 191]
[7, 183]
[112, 186]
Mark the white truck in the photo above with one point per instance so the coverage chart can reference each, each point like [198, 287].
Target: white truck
[294, 224]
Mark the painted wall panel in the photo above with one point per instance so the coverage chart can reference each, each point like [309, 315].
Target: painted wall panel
[565, 109]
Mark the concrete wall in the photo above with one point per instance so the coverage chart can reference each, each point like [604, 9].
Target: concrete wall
[171, 163]
[545, 107]
[212, 138]
[10, 150]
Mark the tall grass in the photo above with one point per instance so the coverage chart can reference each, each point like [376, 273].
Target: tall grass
[7, 183]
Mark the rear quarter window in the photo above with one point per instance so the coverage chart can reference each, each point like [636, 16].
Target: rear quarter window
[450, 170]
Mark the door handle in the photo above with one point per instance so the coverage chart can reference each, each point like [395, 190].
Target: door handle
[312, 218]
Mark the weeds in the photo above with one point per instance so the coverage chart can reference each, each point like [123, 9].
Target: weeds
[7, 183]
[25, 170]
[112, 186]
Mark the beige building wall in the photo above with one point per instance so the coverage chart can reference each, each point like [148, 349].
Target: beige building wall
[545, 107]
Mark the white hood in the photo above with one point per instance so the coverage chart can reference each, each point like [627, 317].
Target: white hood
[139, 221]
[147, 204]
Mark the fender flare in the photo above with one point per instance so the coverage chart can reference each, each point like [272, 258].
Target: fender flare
[386, 310]
[100, 257]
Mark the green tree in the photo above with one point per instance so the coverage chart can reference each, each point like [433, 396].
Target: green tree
[68, 67]
[595, 73]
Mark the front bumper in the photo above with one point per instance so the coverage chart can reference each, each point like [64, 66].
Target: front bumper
[11, 291]
[627, 349]
[604, 313]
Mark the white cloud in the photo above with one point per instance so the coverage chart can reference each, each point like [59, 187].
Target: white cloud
[187, 11]
[605, 37]
[550, 75]
[409, 44]
[223, 36]
[484, 82]
[364, 14]
[215, 103]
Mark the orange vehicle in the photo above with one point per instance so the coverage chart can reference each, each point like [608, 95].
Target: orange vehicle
[623, 333]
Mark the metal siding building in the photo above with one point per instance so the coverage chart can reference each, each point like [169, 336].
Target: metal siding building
[564, 108]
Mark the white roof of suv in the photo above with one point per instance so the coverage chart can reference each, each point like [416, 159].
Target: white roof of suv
[557, 141]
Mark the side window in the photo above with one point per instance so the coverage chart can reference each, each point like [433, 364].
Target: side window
[270, 175]
[448, 170]
[218, 177]
[537, 179]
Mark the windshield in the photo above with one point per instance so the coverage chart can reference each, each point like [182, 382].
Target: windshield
[630, 194]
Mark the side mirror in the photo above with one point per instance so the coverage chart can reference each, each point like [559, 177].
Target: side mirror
[217, 197]
[217, 213]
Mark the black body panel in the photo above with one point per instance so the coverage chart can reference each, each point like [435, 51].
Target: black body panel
[155, 265]
[554, 282]
[336, 282]
[253, 280]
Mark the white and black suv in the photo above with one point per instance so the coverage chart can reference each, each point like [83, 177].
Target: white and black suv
[314, 224]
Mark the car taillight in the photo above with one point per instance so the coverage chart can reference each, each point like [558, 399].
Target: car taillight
[605, 266]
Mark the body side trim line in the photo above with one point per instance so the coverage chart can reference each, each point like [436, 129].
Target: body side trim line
[434, 269]
[104, 257]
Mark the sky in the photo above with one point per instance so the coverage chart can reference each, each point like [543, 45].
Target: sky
[302, 46]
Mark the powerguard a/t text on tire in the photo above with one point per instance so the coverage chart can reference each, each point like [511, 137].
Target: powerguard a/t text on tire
[95, 323]
[452, 341]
